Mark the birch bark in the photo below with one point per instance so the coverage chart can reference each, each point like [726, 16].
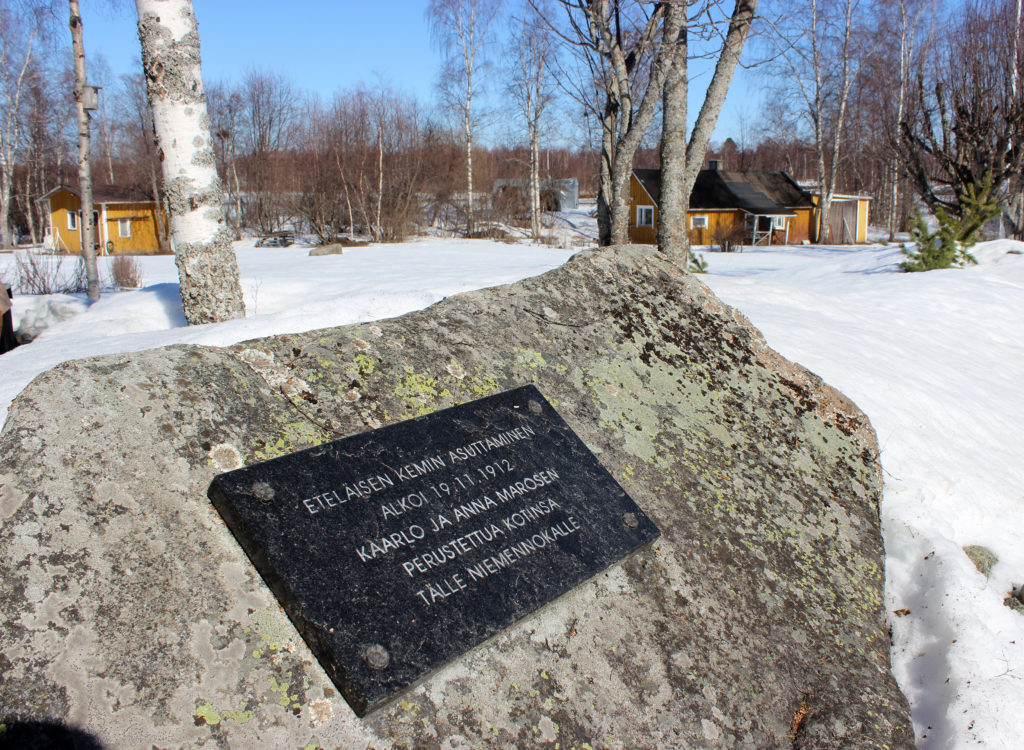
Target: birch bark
[15, 58]
[528, 86]
[86, 225]
[207, 267]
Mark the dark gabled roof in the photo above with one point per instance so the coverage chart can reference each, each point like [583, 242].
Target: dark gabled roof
[651, 181]
[764, 193]
[109, 193]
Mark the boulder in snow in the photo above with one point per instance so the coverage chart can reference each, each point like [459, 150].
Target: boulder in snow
[130, 613]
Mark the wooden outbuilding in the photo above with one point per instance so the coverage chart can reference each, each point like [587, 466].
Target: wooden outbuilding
[847, 217]
[126, 220]
[741, 207]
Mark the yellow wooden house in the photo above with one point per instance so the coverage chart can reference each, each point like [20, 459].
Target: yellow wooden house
[742, 207]
[126, 220]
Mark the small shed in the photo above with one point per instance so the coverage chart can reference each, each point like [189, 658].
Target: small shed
[126, 220]
[555, 194]
[847, 216]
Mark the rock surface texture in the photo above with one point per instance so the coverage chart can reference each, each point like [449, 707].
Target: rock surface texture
[129, 612]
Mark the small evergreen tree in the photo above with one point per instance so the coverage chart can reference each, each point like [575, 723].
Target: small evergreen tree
[979, 206]
[948, 246]
[935, 250]
[695, 263]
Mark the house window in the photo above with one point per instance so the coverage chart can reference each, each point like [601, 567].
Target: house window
[698, 222]
[73, 221]
[124, 227]
[645, 216]
[778, 222]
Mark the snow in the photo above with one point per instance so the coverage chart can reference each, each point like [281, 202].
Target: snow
[935, 359]
[285, 291]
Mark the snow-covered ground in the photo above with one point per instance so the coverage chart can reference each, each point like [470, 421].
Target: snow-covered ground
[285, 291]
[936, 360]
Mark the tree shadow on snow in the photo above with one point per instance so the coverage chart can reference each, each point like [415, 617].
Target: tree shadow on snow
[169, 297]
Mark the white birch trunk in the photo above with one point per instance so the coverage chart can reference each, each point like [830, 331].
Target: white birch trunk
[105, 125]
[901, 95]
[535, 184]
[207, 267]
[527, 87]
[468, 38]
[86, 226]
[468, 129]
[377, 233]
[30, 214]
[1004, 189]
[6, 190]
[1015, 70]
[10, 128]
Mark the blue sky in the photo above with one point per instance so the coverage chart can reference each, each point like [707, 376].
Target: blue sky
[327, 46]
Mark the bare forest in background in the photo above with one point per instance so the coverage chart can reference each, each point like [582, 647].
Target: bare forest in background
[375, 163]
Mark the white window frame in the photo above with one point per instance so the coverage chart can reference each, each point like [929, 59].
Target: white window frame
[124, 228]
[778, 222]
[640, 211]
[72, 221]
[699, 222]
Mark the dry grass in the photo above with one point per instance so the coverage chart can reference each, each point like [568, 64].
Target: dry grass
[126, 272]
[50, 274]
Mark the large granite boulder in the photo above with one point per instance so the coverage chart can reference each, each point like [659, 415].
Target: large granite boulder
[130, 614]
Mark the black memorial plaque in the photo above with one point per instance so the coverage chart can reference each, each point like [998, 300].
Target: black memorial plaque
[398, 549]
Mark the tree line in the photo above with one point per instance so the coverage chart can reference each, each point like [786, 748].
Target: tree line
[858, 96]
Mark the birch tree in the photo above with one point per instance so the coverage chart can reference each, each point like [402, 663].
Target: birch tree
[87, 222]
[269, 111]
[207, 267]
[462, 27]
[225, 107]
[19, 35]
[616, 47]
[1013, 206]
[43, 151]
[101, 71]
[901, 24]
[815, 48]
[682, 158]
[530, 88]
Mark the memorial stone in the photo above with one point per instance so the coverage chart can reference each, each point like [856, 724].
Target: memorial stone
[397, 549]
[131, 614]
